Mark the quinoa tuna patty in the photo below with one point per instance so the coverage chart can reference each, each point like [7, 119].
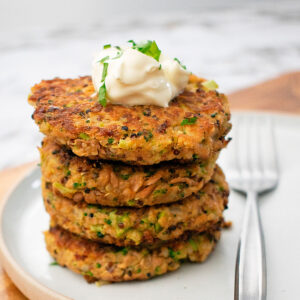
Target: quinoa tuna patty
[148, 225]
[117, 184]
[192, 127]
[96, 261]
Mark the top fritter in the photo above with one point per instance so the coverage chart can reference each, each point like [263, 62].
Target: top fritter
[192, 127]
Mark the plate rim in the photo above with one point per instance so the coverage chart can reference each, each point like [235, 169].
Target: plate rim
[30, 287]
[34, 289]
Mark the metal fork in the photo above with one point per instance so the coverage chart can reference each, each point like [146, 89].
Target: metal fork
[253, 171]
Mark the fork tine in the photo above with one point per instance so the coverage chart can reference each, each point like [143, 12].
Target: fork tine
[254, 150]
[243, 141]
[253, 163]
[269, 162]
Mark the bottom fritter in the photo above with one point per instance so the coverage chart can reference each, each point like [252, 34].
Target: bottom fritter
[96, 261]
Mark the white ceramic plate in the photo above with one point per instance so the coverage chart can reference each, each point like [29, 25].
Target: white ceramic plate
[23, 219]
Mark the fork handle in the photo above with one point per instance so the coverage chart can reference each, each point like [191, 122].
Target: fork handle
[250, 272]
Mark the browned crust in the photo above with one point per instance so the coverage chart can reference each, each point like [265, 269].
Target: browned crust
[117, 184]
[96, 261]
[68, 111]
[147, 225]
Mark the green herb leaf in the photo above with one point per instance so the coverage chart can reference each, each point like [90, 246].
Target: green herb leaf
[84, 136]
[193, 244]
[124, 251]
[149, 48]
[110, 140]
[54, 263]
[104, 71]
[130, 202]
[102, 95]
[157, 227]
[107, 221]
[188, 173]
[106, 46]
[100, 234]
[89, 273]
[132, 42]
[102, 60]
[183, 66]
[189, 121]
[160, 192]
[76, 185]
[172, 253]
[125, 176]
[148, 137]
[98, 265]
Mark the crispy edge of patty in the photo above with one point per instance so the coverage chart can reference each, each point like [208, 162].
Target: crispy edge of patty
[148, 225]
[96, 261]
[117, 184]
[193, 126]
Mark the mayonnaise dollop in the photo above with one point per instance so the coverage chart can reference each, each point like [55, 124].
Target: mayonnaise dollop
[134, 78]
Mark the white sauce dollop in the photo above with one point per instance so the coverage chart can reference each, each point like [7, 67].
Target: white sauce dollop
[134, 78]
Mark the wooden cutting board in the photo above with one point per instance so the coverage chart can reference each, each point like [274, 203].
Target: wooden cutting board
[281, 94]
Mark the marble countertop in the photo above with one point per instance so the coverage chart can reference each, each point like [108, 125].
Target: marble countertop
[236, 46]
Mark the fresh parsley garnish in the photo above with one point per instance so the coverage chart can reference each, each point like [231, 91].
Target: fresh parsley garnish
[189, 121]
[110, 140]
[148, 48]
[54, 263]
[107, 221]
[132, 42]
[89, 273]
[124, 251]
[160, 192]
[102, 95]
[183, 66]
[172, 253]
[100, 234]
[125, 176]
[148, 136]
[77, 185]
[84, 136]
[102, 60]
[104, 71]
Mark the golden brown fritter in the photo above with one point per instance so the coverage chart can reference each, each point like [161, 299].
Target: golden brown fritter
[148, 225]
[96, 261]
[117, 184]
[192, 127]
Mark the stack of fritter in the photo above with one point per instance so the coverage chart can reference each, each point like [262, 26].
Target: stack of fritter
[132, 191]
